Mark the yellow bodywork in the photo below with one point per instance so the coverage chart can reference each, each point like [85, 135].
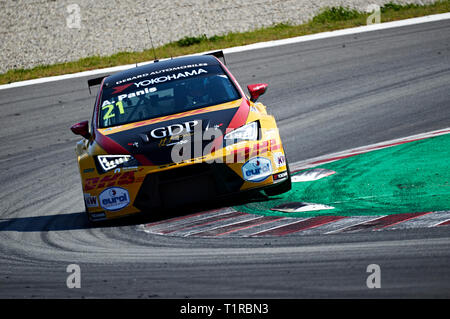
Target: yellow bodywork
[268, 146]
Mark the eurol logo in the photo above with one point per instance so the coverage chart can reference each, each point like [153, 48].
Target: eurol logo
[257, 169]
[114, 198]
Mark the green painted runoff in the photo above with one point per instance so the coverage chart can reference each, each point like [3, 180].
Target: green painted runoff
[407, 178]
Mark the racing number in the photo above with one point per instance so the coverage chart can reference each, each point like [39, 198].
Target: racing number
[109, 113]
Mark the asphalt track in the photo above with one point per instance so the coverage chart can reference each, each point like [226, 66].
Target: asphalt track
[328, 95]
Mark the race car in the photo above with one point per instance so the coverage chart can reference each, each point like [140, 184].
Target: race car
[176, 132]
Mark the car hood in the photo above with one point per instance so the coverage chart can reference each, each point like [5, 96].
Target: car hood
[152, 141]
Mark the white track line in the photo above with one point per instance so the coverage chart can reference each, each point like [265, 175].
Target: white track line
[439, 223]
[320, 160]
[189, 231]
[235, 221]
[255, 46]
[343, 223]
[427, 220]
[262, 227]
[294, 220]
[340, 230]
[185, 220]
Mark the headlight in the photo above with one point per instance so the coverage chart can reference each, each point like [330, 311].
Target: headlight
[109, 162]
[247, 132]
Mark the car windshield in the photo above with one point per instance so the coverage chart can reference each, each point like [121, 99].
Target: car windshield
[164, 94]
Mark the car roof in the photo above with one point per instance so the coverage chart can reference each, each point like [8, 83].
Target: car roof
[158, 66]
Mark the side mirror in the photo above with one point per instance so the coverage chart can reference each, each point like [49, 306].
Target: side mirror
[82, 129]
[256, 90]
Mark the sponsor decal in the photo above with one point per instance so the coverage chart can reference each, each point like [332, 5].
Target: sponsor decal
[90, 201]
[177, 68]
[170, 77]
[131, 168]
[279, 159]
[257, 169]
[242, 154]
[101, 215]
[114, 198]
[279, 176]
[179, 134]
[167, 141]
[134, 78]
[134, 144]
[175, 129]
[108, 162]
[124, 178]
[120, 88]
[143, 89]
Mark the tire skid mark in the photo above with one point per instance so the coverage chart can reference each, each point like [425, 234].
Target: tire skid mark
[381, 222]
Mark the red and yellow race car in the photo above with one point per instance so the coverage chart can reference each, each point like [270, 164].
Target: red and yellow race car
[175, 132]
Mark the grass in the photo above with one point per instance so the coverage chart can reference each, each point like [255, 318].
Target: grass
[328, 19]
[336, 14]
